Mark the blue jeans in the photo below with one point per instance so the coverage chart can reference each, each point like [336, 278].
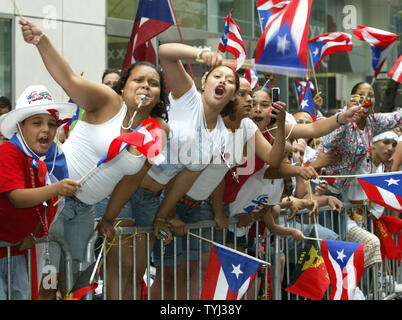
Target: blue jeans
[189, 215]
[100, 209]
[144, 206]
[19, 278]
[75, 224]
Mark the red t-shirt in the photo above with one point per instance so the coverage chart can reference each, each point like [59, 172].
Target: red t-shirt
[231, 187]
[15, 223]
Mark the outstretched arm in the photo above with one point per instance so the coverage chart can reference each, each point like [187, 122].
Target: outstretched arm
[89, 95]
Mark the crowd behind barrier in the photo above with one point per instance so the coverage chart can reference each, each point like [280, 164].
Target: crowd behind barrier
[375, 283]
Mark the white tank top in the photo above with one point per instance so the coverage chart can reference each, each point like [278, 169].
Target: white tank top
[86, 145]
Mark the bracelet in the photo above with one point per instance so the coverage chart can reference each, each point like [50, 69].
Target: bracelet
[40, 37]
[33, 237]
[337, 119]
[160, 219]
[202, 50]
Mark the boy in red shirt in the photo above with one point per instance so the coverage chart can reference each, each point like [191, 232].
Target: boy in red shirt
[33, 173]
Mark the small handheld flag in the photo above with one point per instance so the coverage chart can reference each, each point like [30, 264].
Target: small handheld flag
[329, 43]
[229, 274]
[384, 189]
[307, 102]
[381, 43]
[232, 42]
[345, 262]
[396, 71]
[252, 76]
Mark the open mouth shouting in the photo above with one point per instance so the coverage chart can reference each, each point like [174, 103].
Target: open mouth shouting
[219, 92]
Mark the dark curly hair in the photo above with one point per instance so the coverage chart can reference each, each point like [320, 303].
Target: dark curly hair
[161, 108]
[230, 107]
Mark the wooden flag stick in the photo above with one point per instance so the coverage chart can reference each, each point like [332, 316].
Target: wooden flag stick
[17, 9]
[97, 261]
[242, 253]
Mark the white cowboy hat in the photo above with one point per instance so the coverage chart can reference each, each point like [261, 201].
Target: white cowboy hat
[34, 100]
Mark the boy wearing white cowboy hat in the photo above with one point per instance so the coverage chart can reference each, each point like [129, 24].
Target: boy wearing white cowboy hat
[30, 161]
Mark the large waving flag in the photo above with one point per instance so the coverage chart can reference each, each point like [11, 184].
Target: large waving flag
[345, 262]
[396, 71]
[329, 43]
[229, 274]
[381, 43]
[307, 102]
[384, 189]
[283, 46]
[153, 17]
[268, 10]
[232, 41]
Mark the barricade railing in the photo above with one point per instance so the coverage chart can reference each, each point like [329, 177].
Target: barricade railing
[68, 262]
[371, 282]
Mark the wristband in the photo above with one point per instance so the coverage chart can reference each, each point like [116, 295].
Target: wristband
[337, 119]
[202, 50]
[160, 219]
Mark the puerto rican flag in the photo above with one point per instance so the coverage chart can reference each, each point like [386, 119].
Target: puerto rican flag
[345, 263]
[252, 76]
[229, 274]
[268, 10]
[232, 41]
[300, 86]
[329, 43]
[384, 189]
[147, 138]
[283, 46]
[153, 17]
[307, 102]
[381, 43]
[396, 71]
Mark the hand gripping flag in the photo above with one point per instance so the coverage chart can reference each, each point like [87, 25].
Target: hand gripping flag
[329, 43]
[381, 43]
[310, 278]
[283, 46]
[252, 76]
[232, 42]
[152, 18]
[345, 262]
[268, 10]
[307, 102]
[384, 189]
[229, 274]
[396, 71]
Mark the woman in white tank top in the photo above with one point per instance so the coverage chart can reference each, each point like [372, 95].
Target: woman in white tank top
[107, 114]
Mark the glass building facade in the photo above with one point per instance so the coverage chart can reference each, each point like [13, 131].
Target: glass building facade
[6, 56]
[202, 21]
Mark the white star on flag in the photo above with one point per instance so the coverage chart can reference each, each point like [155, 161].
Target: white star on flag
[341, 255]
[282, 44]
[304, 104]
[316, 51]
[392, 181]
[236, 270]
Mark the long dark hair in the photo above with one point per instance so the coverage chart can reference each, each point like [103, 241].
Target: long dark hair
[161, 108]
[230, 107]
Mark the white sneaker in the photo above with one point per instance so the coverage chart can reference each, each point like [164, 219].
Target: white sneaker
[358, 295]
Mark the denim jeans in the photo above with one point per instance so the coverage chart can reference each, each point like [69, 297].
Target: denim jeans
[19, 278]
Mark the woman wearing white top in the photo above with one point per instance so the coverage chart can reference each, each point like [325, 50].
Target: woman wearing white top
[107, 115]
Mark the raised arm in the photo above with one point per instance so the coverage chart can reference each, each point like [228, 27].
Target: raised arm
[88, 94]
[170, 55]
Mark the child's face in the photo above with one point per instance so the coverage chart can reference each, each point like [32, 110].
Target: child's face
[287, 156]
[384, 149]
[260, 112]
[298, 151]
[39, 131]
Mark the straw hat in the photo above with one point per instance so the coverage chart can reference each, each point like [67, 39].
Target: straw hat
[35, 100]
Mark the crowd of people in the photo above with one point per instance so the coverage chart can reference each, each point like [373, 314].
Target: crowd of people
[228, 150]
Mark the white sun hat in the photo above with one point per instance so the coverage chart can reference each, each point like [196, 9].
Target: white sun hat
[34, 100]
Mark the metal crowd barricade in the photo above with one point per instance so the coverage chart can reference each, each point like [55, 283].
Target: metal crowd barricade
[371, 282]
[52, 238]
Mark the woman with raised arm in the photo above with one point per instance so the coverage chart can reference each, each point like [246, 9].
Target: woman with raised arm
[108, 114]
